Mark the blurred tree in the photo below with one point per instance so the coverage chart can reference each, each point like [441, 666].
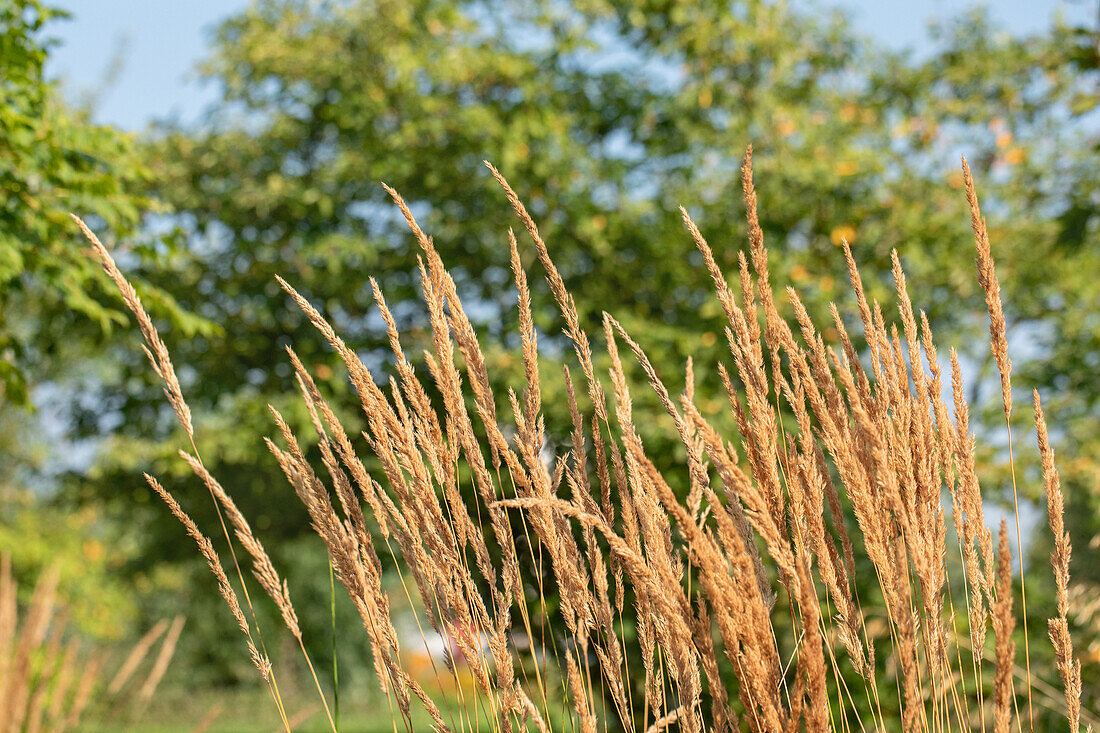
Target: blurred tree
[605, 115]
[58, 311]
[53, 161]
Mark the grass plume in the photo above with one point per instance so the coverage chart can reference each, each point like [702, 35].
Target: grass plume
[837, 455]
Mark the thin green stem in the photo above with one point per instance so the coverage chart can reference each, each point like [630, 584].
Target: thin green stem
[335, 663]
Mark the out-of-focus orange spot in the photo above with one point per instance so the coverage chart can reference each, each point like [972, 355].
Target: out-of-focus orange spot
[848, 112]
[322, 371]
[1004, 139]
[845, 167]
[709, 338]
[843, 233]
[1014, 156]
[705, 97]
[799, 273]
[955, 179]
[93, 550]
[786, 128]
[599, 222]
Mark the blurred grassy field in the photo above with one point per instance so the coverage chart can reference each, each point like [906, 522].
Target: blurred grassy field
[252, 711]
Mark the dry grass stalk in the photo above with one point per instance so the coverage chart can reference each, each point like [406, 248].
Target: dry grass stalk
[156, 351]
[46, 682]
[1003, 624]
[1068, 667]
[137, 654]
[161, 362]
[998, 339]
[206, 548]
[209, 719]
[879, 447]
[164, 657]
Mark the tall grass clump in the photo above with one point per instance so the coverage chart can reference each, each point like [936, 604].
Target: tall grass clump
[49, 677]
[740, 600]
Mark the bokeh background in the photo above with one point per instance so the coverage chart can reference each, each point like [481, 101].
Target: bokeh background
[216, 144]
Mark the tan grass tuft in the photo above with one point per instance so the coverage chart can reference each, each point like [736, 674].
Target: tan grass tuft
[830, 461]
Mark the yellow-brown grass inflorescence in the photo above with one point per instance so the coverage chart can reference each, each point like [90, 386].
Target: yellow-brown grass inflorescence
[1068, 667]
[747, 613]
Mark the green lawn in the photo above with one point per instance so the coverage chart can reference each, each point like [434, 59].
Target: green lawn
[252, 711]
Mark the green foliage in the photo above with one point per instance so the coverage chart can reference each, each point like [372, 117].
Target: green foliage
[54, 161]
[57, 313]
[87, 555]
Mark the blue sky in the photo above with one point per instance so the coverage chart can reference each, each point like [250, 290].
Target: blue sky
[158, 43]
